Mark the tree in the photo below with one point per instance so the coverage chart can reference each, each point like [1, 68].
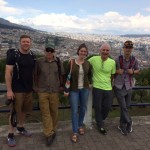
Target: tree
[2, 70]
[143, 79]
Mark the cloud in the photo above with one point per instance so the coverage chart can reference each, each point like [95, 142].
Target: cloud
[6, 9]
[109, 22]
[147, 9]
[115, 21]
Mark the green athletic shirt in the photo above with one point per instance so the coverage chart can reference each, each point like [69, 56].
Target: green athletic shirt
[102, 72]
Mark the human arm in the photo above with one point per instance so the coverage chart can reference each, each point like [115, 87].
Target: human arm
[118, 68]
[35, 77]
[136, 71]
[120, 71]
[135, 68]
[8, 79]
[62, 77]
[90, 75]
[113, 73]
[132, 71]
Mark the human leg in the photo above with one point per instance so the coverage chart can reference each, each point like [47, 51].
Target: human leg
[45, 112]
[128, 101]
[10, 138]
[88, 113]
[23, 106]
[106, 103]
[74, 137]
[83, 97]
[54, 104]
[97, 102]
[124, 100]
[19, 100]
[44, 103]
[74, 98]
[120, 94]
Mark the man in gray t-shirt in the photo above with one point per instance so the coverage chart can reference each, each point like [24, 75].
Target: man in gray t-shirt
[127, 66]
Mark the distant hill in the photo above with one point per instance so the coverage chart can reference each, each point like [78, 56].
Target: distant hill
[135, 35]
[8, 25]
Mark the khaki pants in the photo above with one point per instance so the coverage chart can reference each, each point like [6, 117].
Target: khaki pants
[49, 103]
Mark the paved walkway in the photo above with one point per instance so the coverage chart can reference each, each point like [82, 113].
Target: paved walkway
[139, 139]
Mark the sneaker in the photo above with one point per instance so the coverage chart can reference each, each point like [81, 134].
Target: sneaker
[49, 140]
[129, 127]
[123, 130]
[11, 140]
[54, 135]
[102, 131]
[23, 131]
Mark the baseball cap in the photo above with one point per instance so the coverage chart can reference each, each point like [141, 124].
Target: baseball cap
[50, 45]
[128, 44]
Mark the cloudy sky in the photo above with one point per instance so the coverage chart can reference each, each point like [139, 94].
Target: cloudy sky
[80, 16]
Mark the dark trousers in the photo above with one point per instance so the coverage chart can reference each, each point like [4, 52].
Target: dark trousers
[102, 101]
[124, 100]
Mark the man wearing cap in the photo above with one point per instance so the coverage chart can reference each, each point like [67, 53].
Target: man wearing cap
[48, 71]
[127, 66]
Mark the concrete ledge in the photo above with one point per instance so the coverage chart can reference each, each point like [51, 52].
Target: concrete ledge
[66, 125]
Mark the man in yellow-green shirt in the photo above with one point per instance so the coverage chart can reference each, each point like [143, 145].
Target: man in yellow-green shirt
[103, 68]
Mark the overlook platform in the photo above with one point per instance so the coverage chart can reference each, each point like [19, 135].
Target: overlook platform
[139, 139]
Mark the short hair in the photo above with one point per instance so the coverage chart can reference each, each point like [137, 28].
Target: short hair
[105, 45]
[82, 46]
[24, 36]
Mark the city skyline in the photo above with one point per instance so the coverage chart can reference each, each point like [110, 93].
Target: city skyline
[80, 16]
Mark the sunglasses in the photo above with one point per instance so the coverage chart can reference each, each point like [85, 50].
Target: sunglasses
[128, 47]
[49, 50]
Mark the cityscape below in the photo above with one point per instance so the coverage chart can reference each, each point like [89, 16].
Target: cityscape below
[66, 44]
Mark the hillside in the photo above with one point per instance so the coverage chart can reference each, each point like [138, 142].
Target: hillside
[135, 35]
[8, 25]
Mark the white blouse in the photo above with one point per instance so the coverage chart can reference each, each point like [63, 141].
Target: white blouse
[81, 75]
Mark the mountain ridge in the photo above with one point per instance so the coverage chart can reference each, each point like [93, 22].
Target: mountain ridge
[9, 25]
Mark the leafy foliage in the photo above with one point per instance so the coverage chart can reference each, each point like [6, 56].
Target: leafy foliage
[2, 70]
[143, 78]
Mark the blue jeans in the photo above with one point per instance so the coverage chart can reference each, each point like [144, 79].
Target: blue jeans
[78, 97]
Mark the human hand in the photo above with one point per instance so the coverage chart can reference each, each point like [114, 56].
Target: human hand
[120, 71]
[61, 89]
[90, 86]
[35, 89]
[130, 71]
[10, 95]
